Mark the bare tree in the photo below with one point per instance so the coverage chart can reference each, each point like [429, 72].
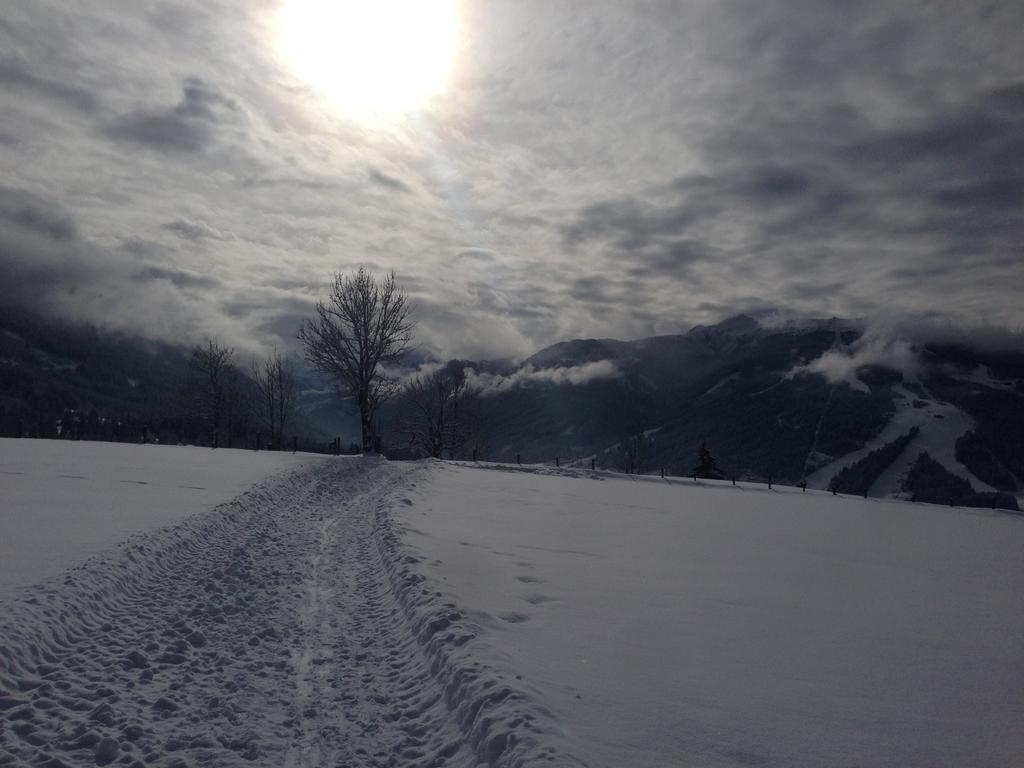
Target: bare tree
[441, 412]
[238, 398]
[275, 395]
[636, 449]
[363, 324]
[212, 389]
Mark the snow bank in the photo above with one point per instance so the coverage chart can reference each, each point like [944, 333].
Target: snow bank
[500, 721]
[673, 623]
[62, 502]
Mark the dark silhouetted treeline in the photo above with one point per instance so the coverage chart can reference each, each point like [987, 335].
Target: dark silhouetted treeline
[929, 481]
[64, 381]
[860, 476]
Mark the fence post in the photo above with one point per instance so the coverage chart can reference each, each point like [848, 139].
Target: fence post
[769, 482]
[474, 454]
[591, 465]
[517, 460]
[556, 462]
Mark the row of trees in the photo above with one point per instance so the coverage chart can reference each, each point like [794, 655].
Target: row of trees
[225, 407]
[441, 413]
[208, 396]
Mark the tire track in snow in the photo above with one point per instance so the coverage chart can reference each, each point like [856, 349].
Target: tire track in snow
[288, 626]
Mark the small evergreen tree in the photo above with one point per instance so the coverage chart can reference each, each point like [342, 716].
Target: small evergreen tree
[707, 465]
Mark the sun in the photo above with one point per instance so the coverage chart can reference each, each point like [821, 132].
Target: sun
[371, 57]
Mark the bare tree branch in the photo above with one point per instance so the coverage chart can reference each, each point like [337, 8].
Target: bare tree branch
[441, 412]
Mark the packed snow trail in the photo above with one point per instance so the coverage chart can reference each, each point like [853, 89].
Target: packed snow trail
[286, 627]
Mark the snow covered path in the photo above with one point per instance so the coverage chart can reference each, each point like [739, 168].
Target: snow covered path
[286, 627]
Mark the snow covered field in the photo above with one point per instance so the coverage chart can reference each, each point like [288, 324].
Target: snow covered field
[62, 501]
[667, 624]
[355, 612]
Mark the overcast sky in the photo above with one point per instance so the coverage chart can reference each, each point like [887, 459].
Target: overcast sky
[587, 168]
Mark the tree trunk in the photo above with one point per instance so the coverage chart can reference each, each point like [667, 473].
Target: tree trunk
[366, 420]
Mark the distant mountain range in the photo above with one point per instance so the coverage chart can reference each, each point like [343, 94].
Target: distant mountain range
[815, 401]
[757, 394]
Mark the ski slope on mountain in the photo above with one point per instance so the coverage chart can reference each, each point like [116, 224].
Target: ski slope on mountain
[63, 501]
[940, 425]
[681, 623]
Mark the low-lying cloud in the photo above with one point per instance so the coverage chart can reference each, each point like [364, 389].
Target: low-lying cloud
[489, 384]
[841, 365]
[897, 344]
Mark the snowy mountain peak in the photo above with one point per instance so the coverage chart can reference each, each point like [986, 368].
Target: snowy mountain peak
[740, 325]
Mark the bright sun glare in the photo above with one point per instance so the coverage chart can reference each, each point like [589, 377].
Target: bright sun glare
[371, 57]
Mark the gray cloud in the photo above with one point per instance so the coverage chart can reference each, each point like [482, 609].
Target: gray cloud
[624, 169]
[31, 212]
[478, 254]
[178, 277]
[43, 259]
[194, 230]
[628, 223]
[16, 76]
[49, 267]
[999, 192]
[379, 177]
[189, 126]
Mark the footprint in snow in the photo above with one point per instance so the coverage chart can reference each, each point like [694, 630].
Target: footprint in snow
[538, 599]
[514, 618]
